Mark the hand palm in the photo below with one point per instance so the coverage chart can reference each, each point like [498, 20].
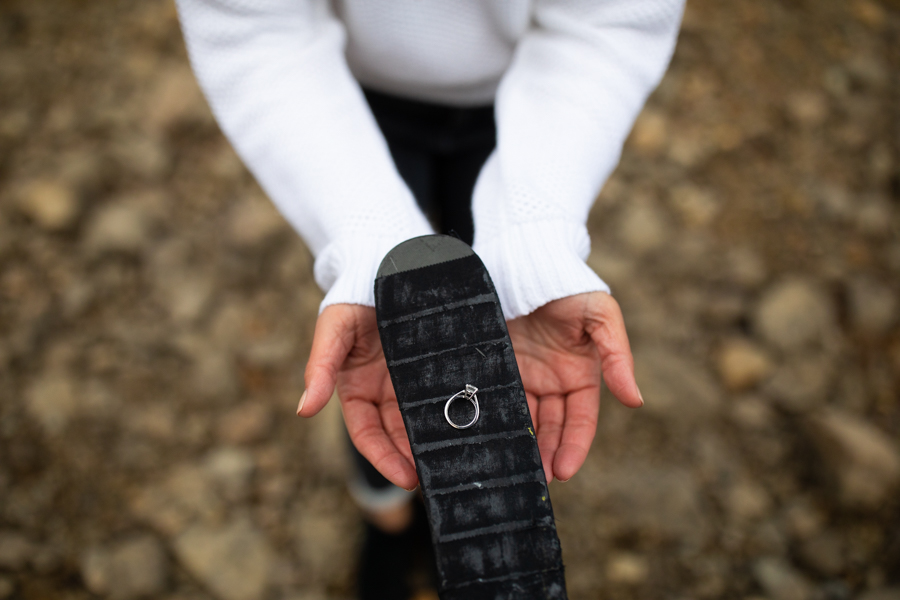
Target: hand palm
[347, 355]
[561, 349]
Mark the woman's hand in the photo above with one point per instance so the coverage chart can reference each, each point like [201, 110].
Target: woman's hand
[561, 349]
[346, 352]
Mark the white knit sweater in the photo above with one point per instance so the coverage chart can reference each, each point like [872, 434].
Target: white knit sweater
[568, 78]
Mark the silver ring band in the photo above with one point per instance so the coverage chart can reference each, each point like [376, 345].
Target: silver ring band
[469, 394]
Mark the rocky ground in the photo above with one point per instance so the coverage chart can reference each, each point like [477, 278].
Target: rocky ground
[156, 312]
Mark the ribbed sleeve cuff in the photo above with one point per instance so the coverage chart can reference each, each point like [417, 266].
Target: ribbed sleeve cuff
[532, 264]
[346, 267]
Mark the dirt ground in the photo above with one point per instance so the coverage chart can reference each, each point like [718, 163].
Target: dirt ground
[156, 314]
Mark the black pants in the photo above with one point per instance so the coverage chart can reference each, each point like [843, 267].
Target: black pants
[439, 151]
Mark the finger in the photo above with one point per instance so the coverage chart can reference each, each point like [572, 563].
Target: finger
[332, 341]
[395, 429]
[369, 436]
[606, 327]
[551, 416]
[582, 409]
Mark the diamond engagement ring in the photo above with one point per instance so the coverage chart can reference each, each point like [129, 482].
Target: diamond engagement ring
[467, 394]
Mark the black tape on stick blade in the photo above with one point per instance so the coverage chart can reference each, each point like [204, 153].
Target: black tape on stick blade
[485, 494]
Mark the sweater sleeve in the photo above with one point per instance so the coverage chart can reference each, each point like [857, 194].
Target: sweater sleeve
[579, 77]
[275, 76]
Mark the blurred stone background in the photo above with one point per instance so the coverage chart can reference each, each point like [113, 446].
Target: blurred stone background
[156, 314]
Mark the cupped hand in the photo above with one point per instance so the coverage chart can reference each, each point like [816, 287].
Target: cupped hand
[561, 349]
[346, 353]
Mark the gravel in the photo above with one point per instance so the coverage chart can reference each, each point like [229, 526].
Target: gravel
[742, 364]
[863, 460]
[794, 313]
[156, 314]
[132, 568]
[780, 580]
[233, 561]
[51, 205]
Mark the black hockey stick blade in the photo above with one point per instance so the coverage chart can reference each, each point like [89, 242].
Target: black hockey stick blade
[442, 329]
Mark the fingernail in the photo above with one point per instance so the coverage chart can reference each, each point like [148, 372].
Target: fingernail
[302, 400]
[641, 396]
[562, 480]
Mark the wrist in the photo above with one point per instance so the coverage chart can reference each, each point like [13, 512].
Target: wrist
[346, 268]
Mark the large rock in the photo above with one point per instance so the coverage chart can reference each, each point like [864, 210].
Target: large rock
[322, 536]
[650, 132]
[697, 206]
[794, 313]
[803, 383]
[866, 68]
[649, 501]
[747, 501]
[228, 325]
[52, 205]
[156, 420]
[808, 108]
[824, 552]
[745, 267]
[175, 100]
[626, 568]
[803, 519]
[853, 389]
[642, 227]
[118, 228]
[214, 372]
[232, 561]
[135, 568]
[84, 169]
[254, 222]
[752, 413]
[184, 288]
[226, 164]
[146, 156]
[723, 308]
[186, 294]
[16, 550]
[861, 458]
[690, 146]
[185, 496]
[231, 470]
[874, 217]
[780, 580]
[873, 306]
[214, 376]
[250, 422]
[766, 539]
[675, 386]
[834, 202]
[742, 364]
[53, 400]
[47, 559]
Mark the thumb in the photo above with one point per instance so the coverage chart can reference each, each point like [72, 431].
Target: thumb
[332, 341]
[605, 325]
